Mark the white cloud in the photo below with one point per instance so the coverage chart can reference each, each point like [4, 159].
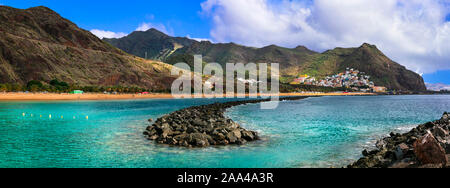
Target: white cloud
[142, 27]
[411, 32]
[437, 87]
[198, 39]
[107, 34]
[160, 27]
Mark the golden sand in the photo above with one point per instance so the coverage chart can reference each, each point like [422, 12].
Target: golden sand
[95, 96]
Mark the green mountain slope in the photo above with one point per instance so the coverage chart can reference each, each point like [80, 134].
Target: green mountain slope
[38, 44]
[156, 44]
[293, 62]
[383, 71]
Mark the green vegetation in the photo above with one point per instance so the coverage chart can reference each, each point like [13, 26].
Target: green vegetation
[287, 88]
[293, 61]
[154, 43]
[56, 86]
[34, 85]
[59, 86]
[10, 87]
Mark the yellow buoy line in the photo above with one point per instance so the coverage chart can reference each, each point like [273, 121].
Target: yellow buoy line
[50, 116]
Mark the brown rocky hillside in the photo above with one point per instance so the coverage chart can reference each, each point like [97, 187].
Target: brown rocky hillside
[38, 44]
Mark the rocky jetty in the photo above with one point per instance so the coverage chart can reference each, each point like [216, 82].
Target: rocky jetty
[203, 126]
[427, 146]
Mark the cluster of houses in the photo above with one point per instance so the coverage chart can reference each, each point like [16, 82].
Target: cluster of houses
[351, 78]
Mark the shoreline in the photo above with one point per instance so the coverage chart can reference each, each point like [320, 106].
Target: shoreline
[426, 146]
[101, 96]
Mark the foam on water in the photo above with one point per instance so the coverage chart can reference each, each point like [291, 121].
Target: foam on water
[334, 130]
[316, 132]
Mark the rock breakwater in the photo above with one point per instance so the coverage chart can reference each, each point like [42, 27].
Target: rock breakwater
[427, 146]
[203, 126]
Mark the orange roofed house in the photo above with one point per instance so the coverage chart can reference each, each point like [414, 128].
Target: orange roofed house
[378, 89]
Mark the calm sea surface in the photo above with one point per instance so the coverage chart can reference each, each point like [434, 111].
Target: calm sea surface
[316, 132]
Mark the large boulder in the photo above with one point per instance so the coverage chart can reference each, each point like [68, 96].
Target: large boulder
[429, 151]
[167, 132]
[199, 140]
[401, 151]
[445, 143]
[446, 116]
[426, 146]
[439, 132]
[380, 144]
[249, 135]
[234, 136]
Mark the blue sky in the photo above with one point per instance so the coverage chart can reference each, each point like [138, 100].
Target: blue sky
[438, 77]
[418, 38]
[181, 17]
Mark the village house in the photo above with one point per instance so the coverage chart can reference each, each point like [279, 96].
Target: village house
[377, 89]
[351, 78]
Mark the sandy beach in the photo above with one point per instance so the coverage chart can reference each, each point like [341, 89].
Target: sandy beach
[98, 96]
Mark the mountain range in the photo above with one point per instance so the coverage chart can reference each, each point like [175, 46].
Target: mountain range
[293, 61]
[38, 44]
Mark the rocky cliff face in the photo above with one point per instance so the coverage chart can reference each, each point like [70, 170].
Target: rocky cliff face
[293, 61]
[38, 44]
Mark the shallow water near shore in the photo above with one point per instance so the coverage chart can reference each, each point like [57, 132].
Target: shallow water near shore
[315, 132]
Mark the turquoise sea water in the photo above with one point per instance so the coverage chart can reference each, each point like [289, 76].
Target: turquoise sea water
[316, 132]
